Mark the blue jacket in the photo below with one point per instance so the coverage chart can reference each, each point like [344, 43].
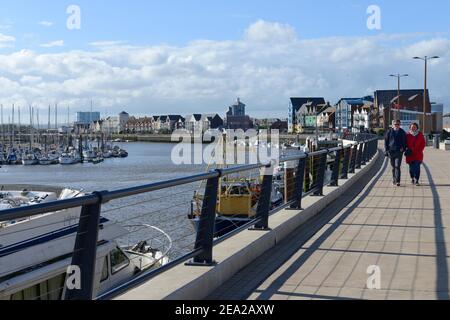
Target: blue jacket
[395, 140]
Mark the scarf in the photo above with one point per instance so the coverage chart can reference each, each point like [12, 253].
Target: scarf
[414, 133]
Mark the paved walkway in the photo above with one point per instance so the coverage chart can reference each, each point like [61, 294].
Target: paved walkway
[405, 231]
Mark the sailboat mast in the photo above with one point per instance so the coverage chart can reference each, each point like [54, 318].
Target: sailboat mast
[56, 125]
[31, 126]
[38, 126]
[12, 127]
[48, 126]
[3, 128]
[20, 126]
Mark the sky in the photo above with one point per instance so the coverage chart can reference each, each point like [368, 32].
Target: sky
[152, 57]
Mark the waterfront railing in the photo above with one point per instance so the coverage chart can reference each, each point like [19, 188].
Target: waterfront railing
[305, 174]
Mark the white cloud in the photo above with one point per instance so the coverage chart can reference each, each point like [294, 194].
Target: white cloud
[46, 23]
[267, 32]
[206, 76]
[57, 43]
[6, 40]
[106, 43]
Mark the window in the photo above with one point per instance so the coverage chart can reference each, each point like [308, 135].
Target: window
[51, 289]
[119, 260]
[105, 274]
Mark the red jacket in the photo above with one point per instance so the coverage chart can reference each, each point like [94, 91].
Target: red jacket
[417, 145]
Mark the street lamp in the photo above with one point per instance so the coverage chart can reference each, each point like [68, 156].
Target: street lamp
[398, 76]
[426, 58]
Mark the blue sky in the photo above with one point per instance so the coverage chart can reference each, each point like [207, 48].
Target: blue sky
[262, 51]
[177, 22]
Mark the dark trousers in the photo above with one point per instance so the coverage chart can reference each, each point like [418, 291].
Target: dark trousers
[396, 163]
[414, 170]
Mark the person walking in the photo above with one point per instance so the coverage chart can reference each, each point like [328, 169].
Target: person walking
[415, 145]
[395, 145]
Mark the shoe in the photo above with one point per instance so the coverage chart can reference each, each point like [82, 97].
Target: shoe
[413, 181]
[418, 183]
[398, 184]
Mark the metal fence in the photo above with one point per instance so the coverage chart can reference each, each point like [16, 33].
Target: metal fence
[305, 174]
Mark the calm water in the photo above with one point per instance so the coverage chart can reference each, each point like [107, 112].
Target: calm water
[147, 163]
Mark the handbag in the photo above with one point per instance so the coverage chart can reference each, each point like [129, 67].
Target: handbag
[408, 153]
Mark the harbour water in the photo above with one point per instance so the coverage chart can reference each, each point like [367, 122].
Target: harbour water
[147, 163]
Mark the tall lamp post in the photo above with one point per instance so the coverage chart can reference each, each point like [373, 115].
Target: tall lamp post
[398, 76]
[426, 58]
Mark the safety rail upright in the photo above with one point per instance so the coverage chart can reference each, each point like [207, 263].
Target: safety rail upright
[346, 160]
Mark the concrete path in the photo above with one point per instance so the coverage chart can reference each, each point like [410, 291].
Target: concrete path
[404, 231]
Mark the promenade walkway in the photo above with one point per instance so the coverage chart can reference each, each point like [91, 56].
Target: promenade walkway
[405, 231]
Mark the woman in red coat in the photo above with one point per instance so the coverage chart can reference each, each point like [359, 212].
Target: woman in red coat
[415, 142]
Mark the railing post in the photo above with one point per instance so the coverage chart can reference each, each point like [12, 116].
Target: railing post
[205, 230]
[336, 165]
[363, 153]
[353, 159]
[321, 175]
[85, 250]
[358, 156]
[307, 178]
[367, 151]
[299, 181]
[346, 163]
[262, 211]
[374, 147]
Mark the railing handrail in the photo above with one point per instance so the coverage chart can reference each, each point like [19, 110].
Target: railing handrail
[202, 253]
[106, 196]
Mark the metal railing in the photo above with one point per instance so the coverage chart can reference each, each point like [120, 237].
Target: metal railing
[307, 178]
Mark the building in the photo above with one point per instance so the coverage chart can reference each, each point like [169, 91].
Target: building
[446, 121]
[312, 115]
[327, 118]
[280, 125]
[354, 114]
[169, 123]
[294, 106]
[86, 118]
[116, 124]
[237, 109]
[140, 125]
[236, 117]
[203, 122]
[408, 108]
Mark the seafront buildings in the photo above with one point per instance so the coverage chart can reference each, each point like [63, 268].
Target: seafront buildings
[306, 115]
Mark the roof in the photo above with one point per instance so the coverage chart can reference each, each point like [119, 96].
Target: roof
[353, 101]
[297, 103]
[384, 97]
[175, 117]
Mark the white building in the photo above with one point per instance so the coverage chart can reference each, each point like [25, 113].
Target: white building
[361, 120]
[116, 124]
